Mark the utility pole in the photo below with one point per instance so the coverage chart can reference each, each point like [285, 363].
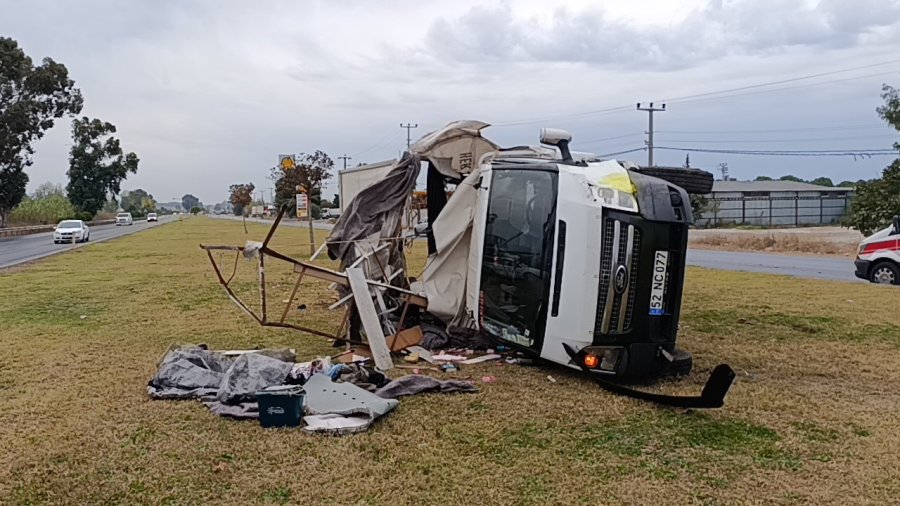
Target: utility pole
[649, 131]
[345, 158]
[408, 127]
[723, 168]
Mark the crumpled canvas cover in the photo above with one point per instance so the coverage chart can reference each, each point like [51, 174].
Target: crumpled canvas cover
[250, 373]
[227, 386]
[448, 270]
[375, 211]
[187, 373]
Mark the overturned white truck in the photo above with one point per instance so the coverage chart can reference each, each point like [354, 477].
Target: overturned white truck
[563, 256]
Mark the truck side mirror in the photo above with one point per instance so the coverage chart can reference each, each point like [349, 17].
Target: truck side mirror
[896, 225]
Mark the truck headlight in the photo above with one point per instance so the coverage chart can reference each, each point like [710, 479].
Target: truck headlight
[603, 359]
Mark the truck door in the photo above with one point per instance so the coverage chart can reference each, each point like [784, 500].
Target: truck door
[518, 255]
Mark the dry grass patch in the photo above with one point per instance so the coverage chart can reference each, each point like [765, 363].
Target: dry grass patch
[782, 243]
[810, 420]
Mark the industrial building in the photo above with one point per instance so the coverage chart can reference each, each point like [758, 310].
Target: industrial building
[774, 204]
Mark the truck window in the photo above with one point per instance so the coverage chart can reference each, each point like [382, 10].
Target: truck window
[518, 253]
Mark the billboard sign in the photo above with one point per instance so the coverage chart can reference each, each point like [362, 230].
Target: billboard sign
[287, 162]
[302, 205]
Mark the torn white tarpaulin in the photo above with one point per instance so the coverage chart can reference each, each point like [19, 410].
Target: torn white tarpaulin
[448, 270]
[251, 249]
[456, 149]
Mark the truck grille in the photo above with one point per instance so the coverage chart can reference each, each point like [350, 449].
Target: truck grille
[615, 304]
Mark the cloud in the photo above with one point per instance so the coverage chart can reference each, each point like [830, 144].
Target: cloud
[719, 29]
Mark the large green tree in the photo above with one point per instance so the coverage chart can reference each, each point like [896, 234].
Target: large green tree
[138, 201]
[97, 164]
[878, 201]
[31, 98]
[240, 198]
[189, 202]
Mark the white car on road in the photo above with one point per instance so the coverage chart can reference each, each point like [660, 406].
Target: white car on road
[152, 217]
[124, 219]
[71, 231]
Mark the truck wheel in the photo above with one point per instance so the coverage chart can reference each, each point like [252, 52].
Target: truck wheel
[885, 273]
[692, 180]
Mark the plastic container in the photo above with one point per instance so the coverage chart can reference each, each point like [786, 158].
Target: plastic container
[281, 406]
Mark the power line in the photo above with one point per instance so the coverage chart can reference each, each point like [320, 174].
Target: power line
[617, 109]
[783, 81]
[785, 88]
[602, 139]
[855, 153]
[772, 130]
[607, 155]
[387, 139]
[750, 141]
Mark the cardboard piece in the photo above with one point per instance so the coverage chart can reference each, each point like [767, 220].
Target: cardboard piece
[406, 338]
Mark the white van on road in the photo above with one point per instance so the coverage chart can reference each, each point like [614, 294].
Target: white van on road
[878, 259]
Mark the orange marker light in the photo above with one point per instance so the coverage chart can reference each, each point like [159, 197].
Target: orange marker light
[591, 361]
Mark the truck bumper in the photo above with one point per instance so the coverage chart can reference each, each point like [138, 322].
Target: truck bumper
[862, 268]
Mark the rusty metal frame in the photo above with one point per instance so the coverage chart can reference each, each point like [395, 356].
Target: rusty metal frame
[303, 270]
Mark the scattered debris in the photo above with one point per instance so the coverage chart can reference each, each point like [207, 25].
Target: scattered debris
[483, 358]
[447, 357]
[488, 379]
[551, 379]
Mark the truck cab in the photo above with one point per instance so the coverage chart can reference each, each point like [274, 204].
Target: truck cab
[586, 253]
[878, 256]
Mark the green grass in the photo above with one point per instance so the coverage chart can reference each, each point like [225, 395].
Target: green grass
[810, 419]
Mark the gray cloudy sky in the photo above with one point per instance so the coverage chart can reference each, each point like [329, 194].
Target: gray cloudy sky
[208, 93]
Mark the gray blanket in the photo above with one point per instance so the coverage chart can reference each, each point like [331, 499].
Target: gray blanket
[417, 384]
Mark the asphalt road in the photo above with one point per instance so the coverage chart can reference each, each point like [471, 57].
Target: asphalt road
[802, 266]
[16, 250]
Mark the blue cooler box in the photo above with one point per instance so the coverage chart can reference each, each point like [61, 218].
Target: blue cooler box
[281, 406]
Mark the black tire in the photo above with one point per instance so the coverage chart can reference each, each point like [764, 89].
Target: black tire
[692, 180]
[885, 273]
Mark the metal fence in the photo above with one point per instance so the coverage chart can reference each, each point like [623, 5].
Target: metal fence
[772, 211]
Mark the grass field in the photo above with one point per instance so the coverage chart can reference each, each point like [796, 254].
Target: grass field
[811, 419]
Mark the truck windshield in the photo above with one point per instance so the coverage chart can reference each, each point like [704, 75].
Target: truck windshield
[518, 255]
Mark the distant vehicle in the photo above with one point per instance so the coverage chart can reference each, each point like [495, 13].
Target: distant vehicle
[152, 217]
[878, 258]
[422, 228]
[331, 213]
[124, 219]
[71, 231]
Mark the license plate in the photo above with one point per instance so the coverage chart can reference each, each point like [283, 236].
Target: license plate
[658, 288]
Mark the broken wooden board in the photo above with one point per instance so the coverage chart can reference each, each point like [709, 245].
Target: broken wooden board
[369, 318]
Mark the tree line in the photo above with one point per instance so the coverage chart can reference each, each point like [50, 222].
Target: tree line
[32, 98]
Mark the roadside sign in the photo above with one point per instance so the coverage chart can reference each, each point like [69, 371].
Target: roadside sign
[287, 162]
[302, 205]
